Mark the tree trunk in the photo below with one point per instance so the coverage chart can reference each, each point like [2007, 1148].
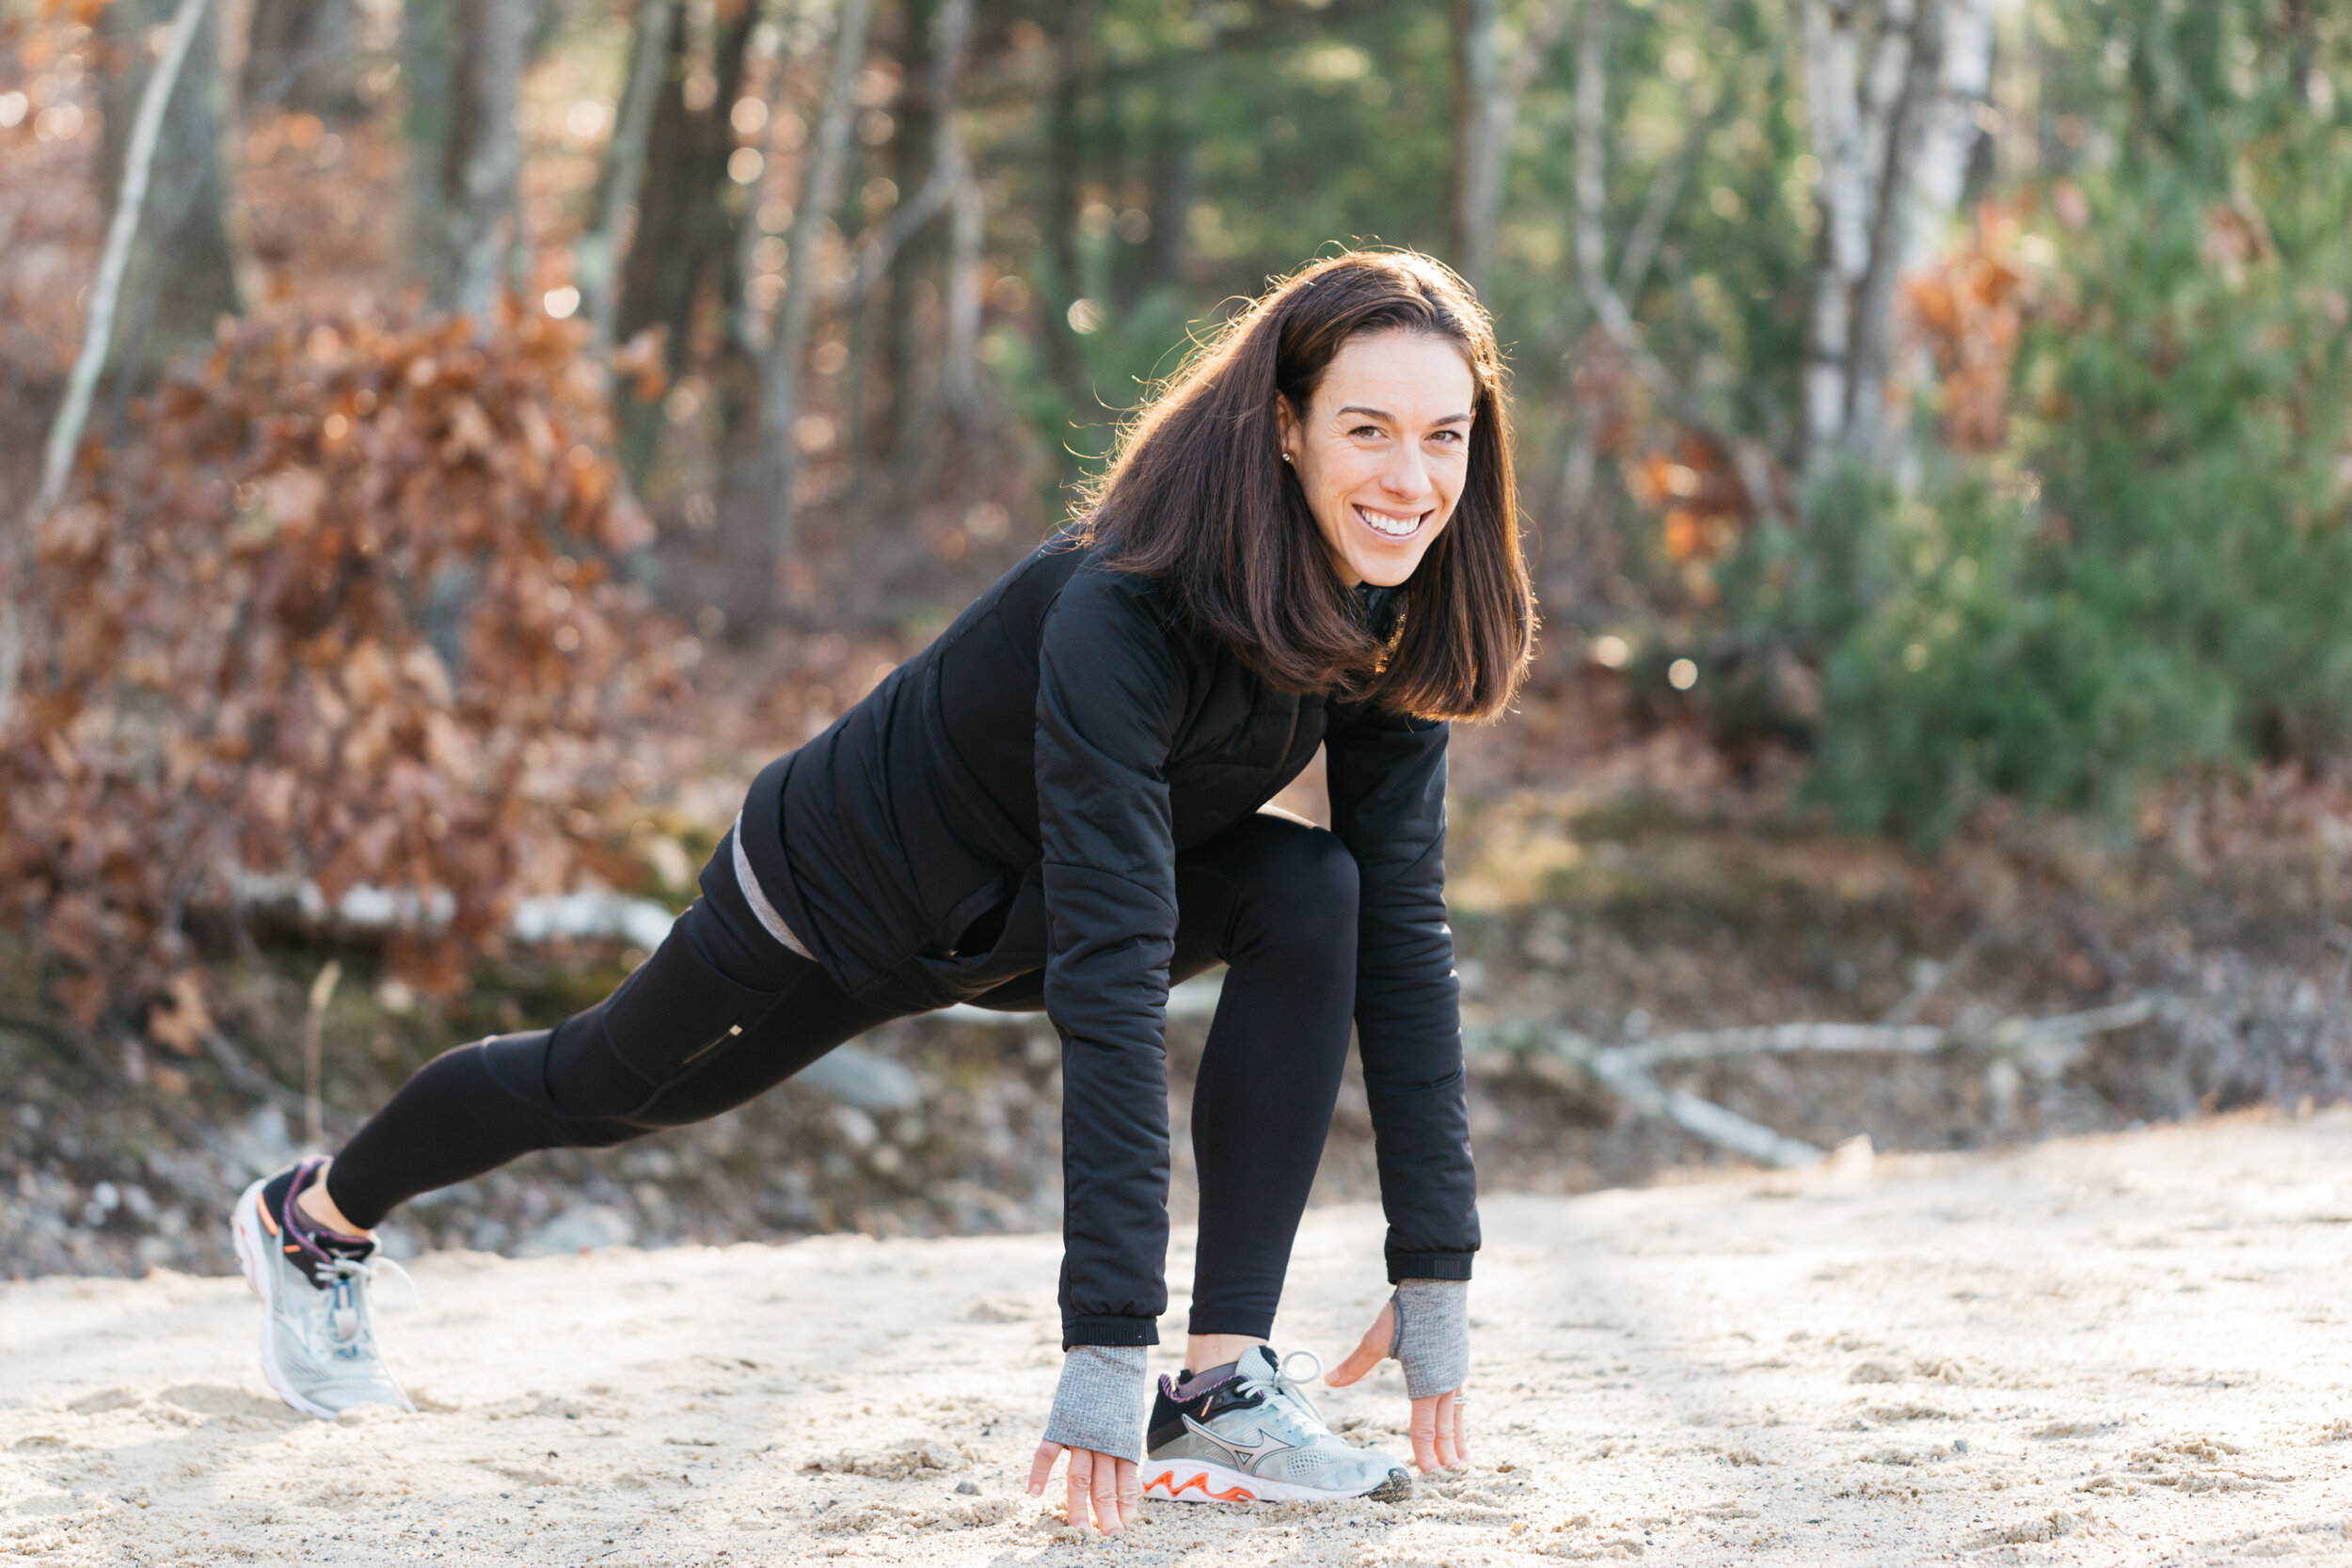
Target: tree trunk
[684, 237]
[181, 274]
[686, 205]
[1493, 65]
[1480, 138]
[1893, 93]
[598, 260]
[913, 162]
[300, 55]
[464, 61]
[947, 186]
[1949, 129]
[1064, 171]
[782, 376]
[959, 373]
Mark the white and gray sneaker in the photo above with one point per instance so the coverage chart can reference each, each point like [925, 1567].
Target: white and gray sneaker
[1248, 1433]
[319, 1349]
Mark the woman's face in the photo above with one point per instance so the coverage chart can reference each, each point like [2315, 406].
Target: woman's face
[1382, 451]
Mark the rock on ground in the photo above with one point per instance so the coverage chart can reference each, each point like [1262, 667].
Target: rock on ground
[2119, 1350]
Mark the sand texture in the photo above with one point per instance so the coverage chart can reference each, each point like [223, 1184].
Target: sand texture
[2123, 1350]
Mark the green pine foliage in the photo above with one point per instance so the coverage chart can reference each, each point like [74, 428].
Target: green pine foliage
[2151, 578]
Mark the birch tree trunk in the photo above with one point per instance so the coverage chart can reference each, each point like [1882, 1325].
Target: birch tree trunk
[142, 131]
[180, 273]
[1948, 124]
[464, 60]
[1892, 89]
[131, 175]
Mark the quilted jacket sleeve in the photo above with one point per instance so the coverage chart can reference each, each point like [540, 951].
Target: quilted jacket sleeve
[1387, 776]
[1112, 688]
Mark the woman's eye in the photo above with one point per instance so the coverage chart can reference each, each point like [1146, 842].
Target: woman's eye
[1365, 430]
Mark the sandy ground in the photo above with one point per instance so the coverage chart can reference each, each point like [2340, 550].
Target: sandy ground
[2126, 1350]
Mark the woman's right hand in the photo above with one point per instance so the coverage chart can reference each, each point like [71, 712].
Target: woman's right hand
[1440, 1436]
[1101, 1482]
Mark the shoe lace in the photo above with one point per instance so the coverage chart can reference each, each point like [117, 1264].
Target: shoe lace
[342, 1303]
[1291, 1390]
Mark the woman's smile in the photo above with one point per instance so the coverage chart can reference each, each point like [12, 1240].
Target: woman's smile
[1389, 524]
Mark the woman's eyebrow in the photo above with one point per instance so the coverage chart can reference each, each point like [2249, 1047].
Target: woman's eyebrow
[1392, 419]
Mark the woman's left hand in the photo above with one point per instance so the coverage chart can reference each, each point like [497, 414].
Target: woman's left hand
[1440, 1437]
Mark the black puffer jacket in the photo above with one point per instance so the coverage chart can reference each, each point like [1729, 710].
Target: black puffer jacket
[1030, 776]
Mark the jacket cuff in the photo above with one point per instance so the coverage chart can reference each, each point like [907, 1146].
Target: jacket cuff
[1111, 1329]
[1428, 1265]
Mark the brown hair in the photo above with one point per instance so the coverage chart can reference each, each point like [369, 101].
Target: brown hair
[1198, 497]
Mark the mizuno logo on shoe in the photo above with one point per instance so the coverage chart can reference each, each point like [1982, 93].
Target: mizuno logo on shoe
[1244, 1458]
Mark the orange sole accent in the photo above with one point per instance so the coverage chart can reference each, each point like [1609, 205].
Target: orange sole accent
[1200, 1483]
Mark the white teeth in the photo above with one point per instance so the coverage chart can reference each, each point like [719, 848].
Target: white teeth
[1395, 528]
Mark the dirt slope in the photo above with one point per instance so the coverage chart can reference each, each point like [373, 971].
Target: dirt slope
[2125, 1349]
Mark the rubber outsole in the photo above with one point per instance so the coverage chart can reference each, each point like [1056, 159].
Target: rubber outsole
[1198, 1480]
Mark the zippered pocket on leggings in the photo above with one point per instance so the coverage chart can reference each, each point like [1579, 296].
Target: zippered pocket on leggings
[734, 1031]
[676, 1011]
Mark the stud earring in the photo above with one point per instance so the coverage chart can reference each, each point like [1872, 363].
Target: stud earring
[1286, 457]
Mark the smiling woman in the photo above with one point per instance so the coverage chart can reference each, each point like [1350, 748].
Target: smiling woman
[1348, 429]
[1309, 542]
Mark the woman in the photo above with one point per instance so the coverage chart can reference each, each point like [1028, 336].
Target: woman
[1309, 539]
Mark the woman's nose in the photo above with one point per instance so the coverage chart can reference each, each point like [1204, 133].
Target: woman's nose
[1407, 477]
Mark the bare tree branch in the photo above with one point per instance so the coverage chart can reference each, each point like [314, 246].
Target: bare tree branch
[1591, 216]
[781, 375]
[2045, 1047]
[951, 30]
[1665, 189]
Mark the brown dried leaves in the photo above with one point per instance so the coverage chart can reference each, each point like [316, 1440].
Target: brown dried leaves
[242, 634]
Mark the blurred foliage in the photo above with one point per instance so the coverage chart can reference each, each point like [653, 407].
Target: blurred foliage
[339, 614]
[397, 654]
[2146, 577]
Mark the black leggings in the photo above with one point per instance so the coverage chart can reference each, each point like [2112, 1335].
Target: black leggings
[722, 1012]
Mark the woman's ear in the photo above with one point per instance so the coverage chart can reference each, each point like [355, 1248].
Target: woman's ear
[1287, 427]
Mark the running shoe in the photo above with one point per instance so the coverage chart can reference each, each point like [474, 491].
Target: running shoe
[1249, 1434]
[318, 1331]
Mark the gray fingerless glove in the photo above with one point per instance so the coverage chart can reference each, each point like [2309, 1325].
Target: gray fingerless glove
[1432, 1337]
[1102, 1401]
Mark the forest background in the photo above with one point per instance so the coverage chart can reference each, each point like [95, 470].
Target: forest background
[449, 444]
